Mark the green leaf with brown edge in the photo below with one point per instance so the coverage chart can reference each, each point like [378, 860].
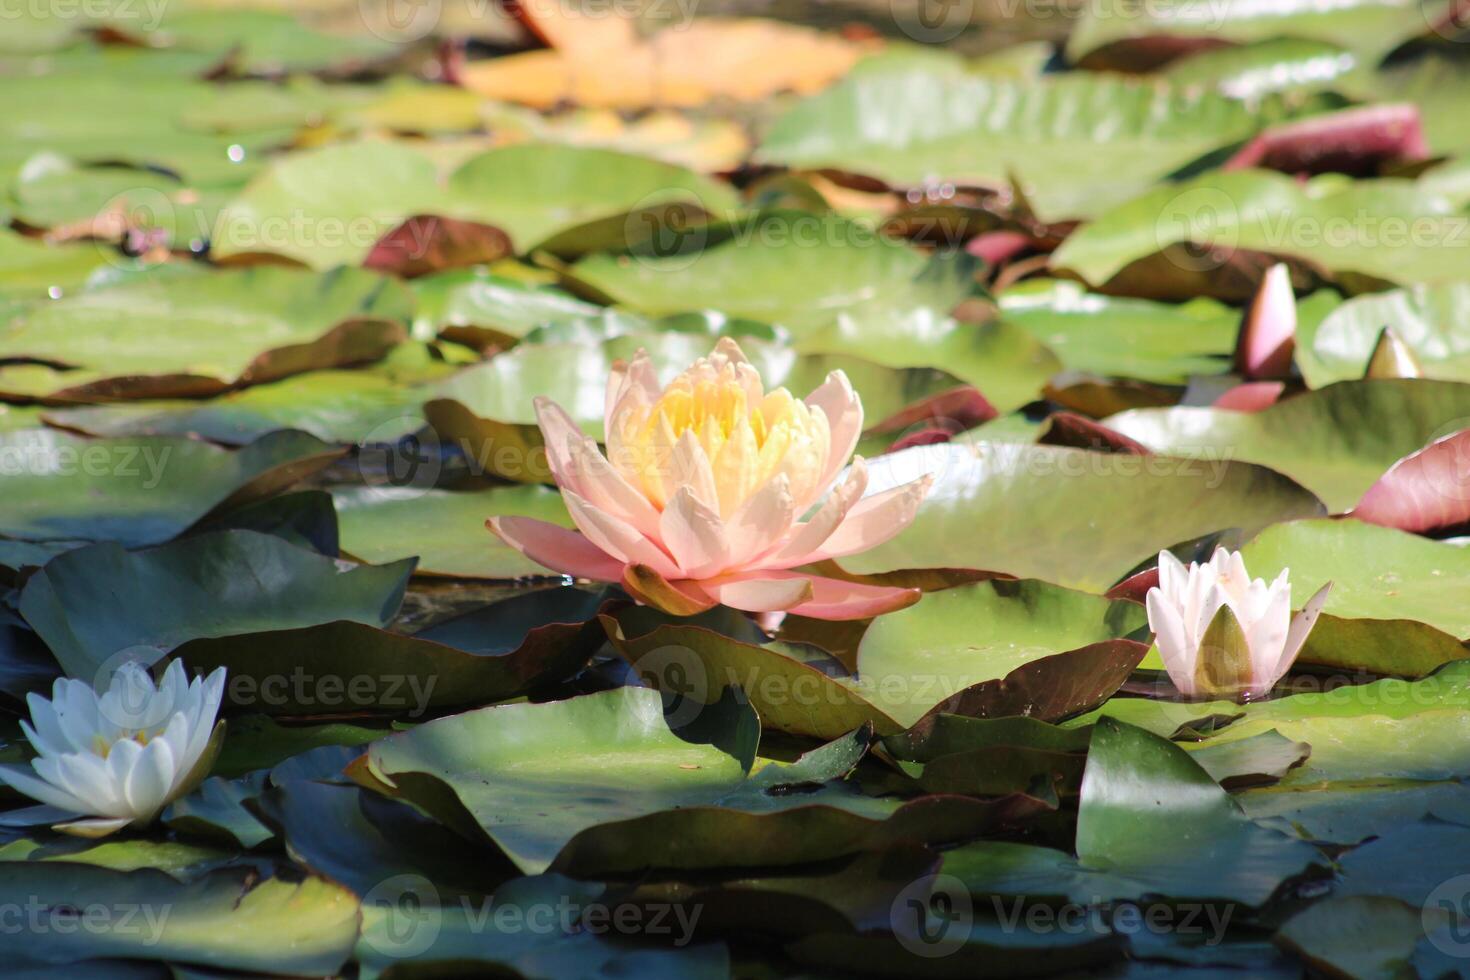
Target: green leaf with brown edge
[189, 335]
[226, 920]
[490, 654]
[1020, 509]
[1264, 211]
[444, 529]
[1076, 143]
[142, 490]
[936, 651]
[1335, 441]
[1262, 758]
[91, 603]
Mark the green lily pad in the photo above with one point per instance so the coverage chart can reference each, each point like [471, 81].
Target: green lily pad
[1369, 937]
[550, 785]
[470, 303]
[1422, 317]
[956, 638]
[1408, 863]
[360, 839]
[94, 602]
[348, 407]
[1370, 27]
[511, 932]
[32, 269]
[264, 41]
[1278, 64]
[1126, 338]
[142, 490]
[193, 335]
[1395, 602]
[492, 653]
[1021, 509]
[1364, 232]
[1335, 441]
[444, 529]
[1349, 812]
[226, 920]
[1151, 822]
[352, 194]
[812, 268]
[1077, 144]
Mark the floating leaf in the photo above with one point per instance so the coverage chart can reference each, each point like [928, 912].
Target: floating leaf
[1336, 441]
[1078, 144]
[1020, 509]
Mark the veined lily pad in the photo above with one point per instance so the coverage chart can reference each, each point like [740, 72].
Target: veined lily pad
[1077, 144]
[1021, 509]
[1335, 441]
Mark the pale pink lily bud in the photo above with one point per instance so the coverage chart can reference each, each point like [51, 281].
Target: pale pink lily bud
[716, 491]
[1267, 339]
[1223, 634]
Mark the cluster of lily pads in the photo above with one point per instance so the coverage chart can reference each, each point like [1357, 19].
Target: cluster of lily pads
[294, 299]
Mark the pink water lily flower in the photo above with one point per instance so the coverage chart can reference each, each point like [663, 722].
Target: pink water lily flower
[1220, 632]
[714, 490]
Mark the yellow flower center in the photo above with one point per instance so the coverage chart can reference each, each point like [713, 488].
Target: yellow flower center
[103, 747]
[746, 445]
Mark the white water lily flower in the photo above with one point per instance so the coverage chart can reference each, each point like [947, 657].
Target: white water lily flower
[1222, 633]
[118, 758]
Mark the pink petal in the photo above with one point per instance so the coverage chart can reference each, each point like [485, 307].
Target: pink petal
[563, 551]
[1253, 396]
[806, 538]
[996, 247]
[835, 599]
[629, 379]
[692, 469]
[694, 535]
[1268, 332]
[761, 521]
[760, 594]
[875, 519]
[1357, 141]
[607, 490]
[558, 432]
[844, 411]
[617, 537]
[1425, 492]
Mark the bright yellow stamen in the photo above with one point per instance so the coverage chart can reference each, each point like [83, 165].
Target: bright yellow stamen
[746, 444]
[103, 747]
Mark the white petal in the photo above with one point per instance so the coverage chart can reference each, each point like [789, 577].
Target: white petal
[761, 522]
[93, 827]
[1301, 628]
[844, 411]
[151, 779]
[1175, 649]
[26, 781]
